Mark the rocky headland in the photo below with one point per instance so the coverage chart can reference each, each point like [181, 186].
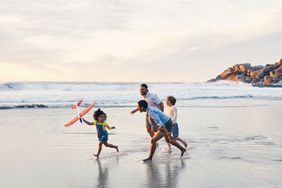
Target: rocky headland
[269, 75]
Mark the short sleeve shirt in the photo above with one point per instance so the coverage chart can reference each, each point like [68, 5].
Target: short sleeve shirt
[152, 99]
[102, 125]
[158, 116]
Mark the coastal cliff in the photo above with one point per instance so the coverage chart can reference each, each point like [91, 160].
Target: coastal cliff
[269, 75]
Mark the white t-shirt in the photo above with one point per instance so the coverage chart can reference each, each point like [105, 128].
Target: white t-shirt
[152, 99]
[172, 113]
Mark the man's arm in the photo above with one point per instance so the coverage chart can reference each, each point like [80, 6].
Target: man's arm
[163, 129]
[162, 106]
[134, 111]
[158, 101]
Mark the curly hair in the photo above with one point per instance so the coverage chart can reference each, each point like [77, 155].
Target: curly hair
[98, 113]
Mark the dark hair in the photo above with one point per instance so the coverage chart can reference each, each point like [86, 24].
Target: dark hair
[143, 104]
[98, 113]
[172, 99]
[144, 85]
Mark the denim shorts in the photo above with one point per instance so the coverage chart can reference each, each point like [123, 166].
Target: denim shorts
[175, 130]
[168, 125]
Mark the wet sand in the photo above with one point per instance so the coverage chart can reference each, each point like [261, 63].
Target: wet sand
[228, 147]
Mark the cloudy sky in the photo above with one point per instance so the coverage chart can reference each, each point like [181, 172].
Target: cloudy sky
[130, 40]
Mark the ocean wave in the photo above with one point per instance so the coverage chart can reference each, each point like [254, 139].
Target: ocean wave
[112, 105]
[220, 97]
[14, 86]
[23, 106]
[65, 94]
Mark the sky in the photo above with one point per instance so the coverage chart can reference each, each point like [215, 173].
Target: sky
[132, 41]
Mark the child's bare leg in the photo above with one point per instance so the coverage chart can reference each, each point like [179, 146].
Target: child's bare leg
[99, 150]
[182, 141]
[176, 144]
[183, 150]
[111, 146]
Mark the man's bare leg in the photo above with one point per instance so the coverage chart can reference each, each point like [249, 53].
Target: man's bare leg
[158, 135]
[151, 133]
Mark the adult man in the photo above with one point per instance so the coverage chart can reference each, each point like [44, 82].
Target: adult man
[153, 101]
[164, 124]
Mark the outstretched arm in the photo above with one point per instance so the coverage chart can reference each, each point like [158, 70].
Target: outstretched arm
[87, 122]
[110, 128]
[134, 111]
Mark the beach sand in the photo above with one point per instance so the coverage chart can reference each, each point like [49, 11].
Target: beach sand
[228, 147]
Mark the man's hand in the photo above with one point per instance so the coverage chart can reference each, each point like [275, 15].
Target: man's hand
[170, 138]
[164, 130]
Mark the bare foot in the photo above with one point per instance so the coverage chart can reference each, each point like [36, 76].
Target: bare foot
[182, 152]
[148, 159]
[117, 149]
[96, 155]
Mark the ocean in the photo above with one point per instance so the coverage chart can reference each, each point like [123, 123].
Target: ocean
[63, 95]
[233, 131]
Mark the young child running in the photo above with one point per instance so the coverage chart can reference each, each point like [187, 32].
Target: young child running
[172, 113]
[101, 125]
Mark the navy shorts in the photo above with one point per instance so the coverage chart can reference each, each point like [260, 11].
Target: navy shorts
[175, 130]
[169, 125]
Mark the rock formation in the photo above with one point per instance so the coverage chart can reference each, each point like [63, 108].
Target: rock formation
[269, 75]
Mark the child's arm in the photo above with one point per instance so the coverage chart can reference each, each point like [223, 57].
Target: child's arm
[110, 128]
[87, 122]
[162, 106]
[174, 111]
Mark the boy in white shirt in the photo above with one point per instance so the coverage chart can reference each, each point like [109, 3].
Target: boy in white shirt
[172, 113]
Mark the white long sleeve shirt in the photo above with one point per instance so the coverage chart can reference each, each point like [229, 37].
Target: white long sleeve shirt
[172, 113]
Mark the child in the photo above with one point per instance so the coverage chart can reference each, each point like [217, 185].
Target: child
[172, 113]
[101, 125]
